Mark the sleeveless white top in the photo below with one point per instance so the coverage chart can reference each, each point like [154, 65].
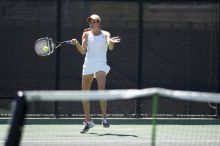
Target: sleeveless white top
[95, 59]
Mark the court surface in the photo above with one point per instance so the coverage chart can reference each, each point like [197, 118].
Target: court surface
[121, 133]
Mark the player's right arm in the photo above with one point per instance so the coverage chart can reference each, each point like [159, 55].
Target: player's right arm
[81, 48]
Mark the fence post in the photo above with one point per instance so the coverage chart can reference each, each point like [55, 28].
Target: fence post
[57, 70]
[218, 38]
[140, 57]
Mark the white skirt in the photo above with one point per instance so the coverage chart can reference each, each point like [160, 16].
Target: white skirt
[94, 68]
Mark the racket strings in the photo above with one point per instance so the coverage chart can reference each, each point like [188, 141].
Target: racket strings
[51, 45]
[44, 42]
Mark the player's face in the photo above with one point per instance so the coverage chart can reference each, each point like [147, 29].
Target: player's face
[94, 24]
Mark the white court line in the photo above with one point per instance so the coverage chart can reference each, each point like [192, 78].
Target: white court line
[93, 140]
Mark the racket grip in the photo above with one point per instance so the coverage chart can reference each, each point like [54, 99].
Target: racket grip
[68, 42]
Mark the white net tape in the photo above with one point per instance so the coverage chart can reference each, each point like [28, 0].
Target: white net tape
[78, 95]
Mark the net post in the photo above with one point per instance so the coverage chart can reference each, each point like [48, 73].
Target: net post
[154, 118]
[17, 122]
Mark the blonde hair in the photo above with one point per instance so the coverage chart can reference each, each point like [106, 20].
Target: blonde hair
[87, 29]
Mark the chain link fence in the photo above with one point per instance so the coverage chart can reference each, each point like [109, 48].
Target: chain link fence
[176, 43]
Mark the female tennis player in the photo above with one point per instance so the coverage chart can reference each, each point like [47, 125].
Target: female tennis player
[95, 43]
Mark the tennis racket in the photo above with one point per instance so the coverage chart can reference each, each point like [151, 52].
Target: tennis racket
[46, 46]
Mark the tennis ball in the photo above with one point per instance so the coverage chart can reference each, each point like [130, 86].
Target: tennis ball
[45, 49]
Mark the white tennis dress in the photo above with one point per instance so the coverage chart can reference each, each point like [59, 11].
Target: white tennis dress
[95, 59]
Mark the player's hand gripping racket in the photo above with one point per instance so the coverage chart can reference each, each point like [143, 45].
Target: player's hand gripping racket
[46, 46]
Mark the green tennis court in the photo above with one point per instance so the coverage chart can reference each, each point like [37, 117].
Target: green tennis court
[123, 132]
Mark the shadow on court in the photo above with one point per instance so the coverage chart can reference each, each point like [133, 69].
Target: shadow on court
[111, 134]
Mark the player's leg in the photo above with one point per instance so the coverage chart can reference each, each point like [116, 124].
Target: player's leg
[101, 80]
[86, 85]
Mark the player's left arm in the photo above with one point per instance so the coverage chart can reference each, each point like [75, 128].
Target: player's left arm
[111, 41]
[110, 44]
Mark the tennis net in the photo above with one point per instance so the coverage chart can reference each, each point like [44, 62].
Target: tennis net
[152, 131]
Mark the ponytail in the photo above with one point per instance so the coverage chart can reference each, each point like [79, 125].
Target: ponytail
[87, 29]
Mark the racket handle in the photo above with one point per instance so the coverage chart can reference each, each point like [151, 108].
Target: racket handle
[68, 42]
